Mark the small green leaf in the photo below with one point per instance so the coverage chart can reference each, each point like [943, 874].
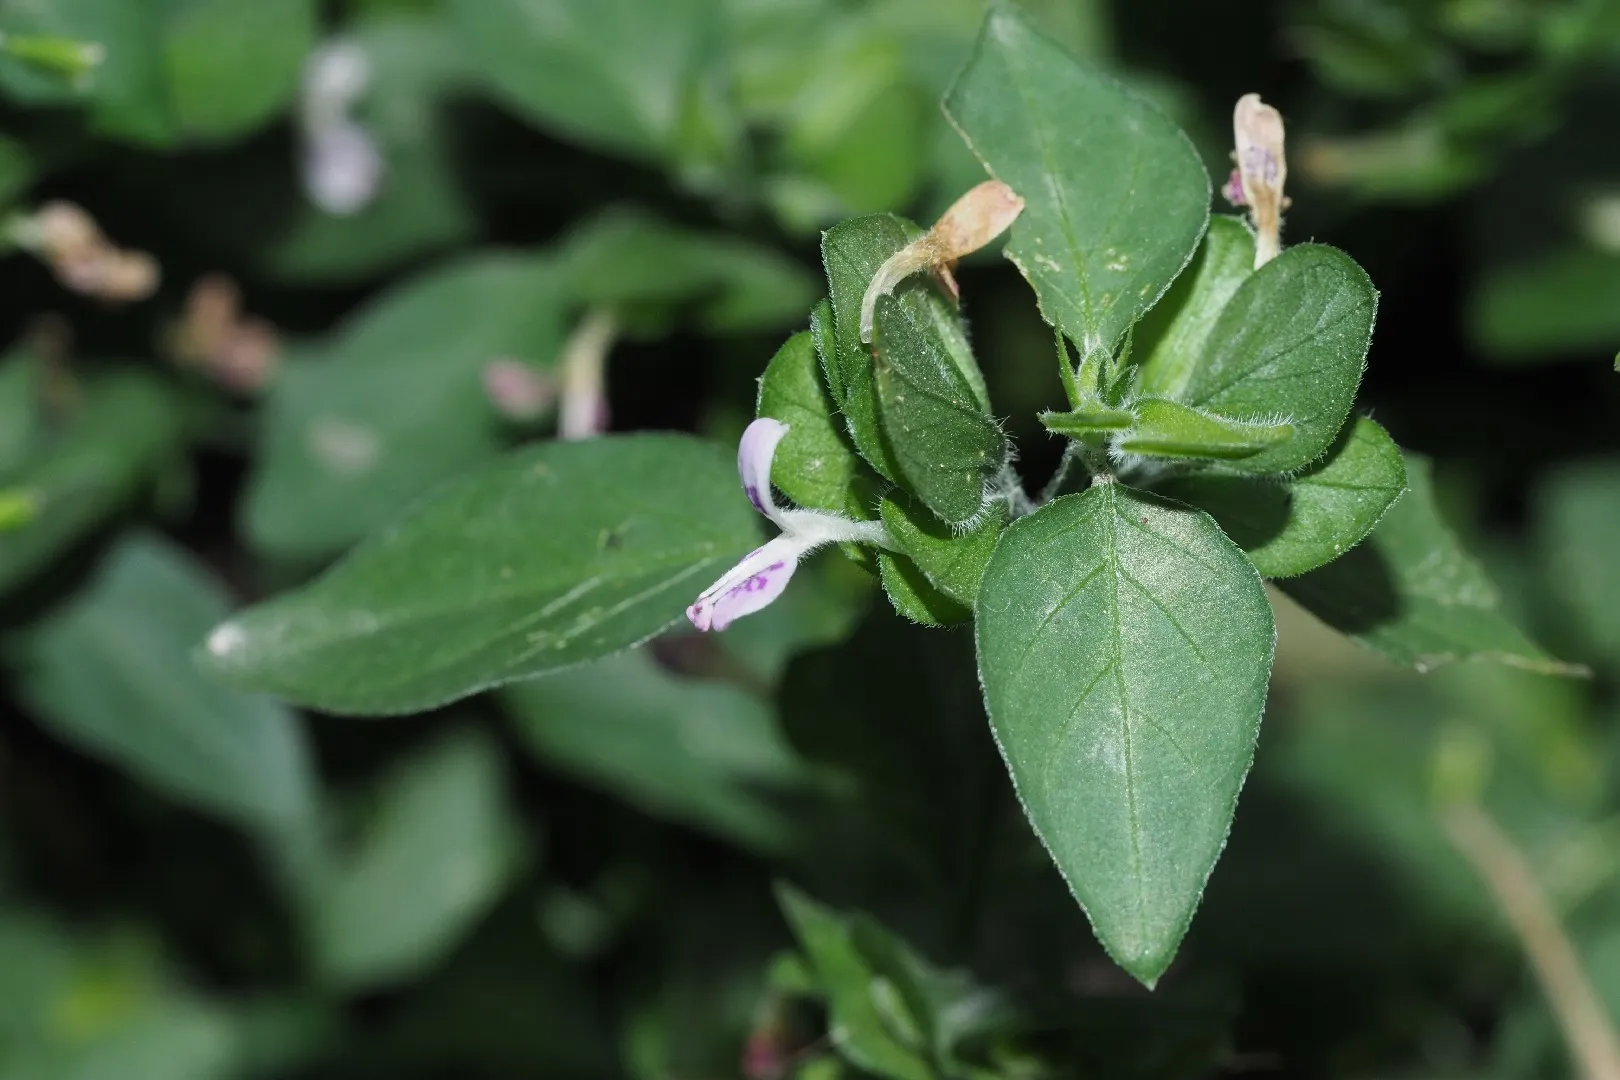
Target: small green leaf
[704, 753]
[127, 427]
[1115, 196]
[1096, 419]
[1290, 525]
[823, 334]
[914, 596]
[1289, 348]
[1168, 429]
[614, 74]
[952, 562]
[1413, 594]
[814, 465]
[857, 1023]
[111, 673]
[1124, 647]
[1578, 524]
[550, 556]
[1170, 341]
[934, 419]
[437, 855]
[395, 402]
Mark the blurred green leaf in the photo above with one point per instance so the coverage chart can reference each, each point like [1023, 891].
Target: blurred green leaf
[1289, 525]
[438, 852]
[1125, 645]
[1289, 346]
[357, 428]
[126, 428]
[21, 423]
[614, 74]
[1536, 311]
[653, 273]
[1115, 196]
[1412, 593]
[550, 556]
[1578, 522]
[174, 70]
[703, 753]
[110, 672]
[857, 1022]
[231, 66]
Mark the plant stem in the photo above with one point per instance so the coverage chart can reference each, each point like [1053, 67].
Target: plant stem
[1587, 1029]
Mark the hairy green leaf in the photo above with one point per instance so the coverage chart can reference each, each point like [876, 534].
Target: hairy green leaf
[1289, 348]
[952, 562]
[1115, 196]
[1124, 646]
[548, 557]
[1169, 429]
[1290, 525]
[1169, 343]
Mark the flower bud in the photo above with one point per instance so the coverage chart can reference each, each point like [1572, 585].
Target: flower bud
[1257, 129]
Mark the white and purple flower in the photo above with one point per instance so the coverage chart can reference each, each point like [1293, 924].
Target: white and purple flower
[762, 576]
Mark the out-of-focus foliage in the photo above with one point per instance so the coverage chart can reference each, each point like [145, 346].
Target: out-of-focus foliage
[791, 851]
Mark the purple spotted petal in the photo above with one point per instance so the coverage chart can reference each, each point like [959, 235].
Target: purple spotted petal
[747, 587]
[1234, 189]
[754, 454]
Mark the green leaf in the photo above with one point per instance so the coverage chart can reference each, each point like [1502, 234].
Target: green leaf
[915, 404]
[861, 1029]
[1566, 303]
[110, 672]
[419, 207]
[126, 96]
[437, 855]
[1124, 647]
[914, 596]
[1413, 594]
[613, 74]
[935, 419]
[1290, 525]
[550, 556]
[126, 427]
[1170, 342]
[952, 562]
[395, 402]
[1115, 196]
[231, 66]
[1095, 419]
[704, 753]
[21, 425]
[814, 465]
[1289, 348]
[654, 273]
[1578, 525]
[1168, 429]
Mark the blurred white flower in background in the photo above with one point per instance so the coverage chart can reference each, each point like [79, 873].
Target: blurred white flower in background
[342, 166]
